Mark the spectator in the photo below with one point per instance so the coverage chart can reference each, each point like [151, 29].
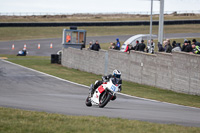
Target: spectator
[96, 46]
[168, 47]
[184, 45]
[173, 44]
[136, 45]
[90, 45]
[130, 47]
[160, 47]
[195, 42]
[112, 46]
[150, 47]
[141, 46]
[196, 49]
[187, 47]
[117, 44]
[127, 48]
[82, 45]
[177, 48]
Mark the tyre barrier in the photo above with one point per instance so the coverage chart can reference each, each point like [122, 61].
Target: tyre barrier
[121, 23]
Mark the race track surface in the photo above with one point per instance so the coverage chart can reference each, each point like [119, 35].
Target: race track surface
[30, 90]
[45, 50]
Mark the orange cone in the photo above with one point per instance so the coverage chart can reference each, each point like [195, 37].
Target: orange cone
[13, 47]
[24, 46]
[38, 46]
[51, 45]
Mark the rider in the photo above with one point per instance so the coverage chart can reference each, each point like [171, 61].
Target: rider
[116, 77]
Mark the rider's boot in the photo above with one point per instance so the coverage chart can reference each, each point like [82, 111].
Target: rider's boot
[91, 90]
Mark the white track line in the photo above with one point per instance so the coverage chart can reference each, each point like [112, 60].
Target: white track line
[88, 86]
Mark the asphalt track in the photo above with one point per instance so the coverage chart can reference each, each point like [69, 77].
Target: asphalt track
[45, 50]
[31, 90]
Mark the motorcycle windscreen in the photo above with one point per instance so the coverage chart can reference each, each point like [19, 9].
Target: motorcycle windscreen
[101, 89]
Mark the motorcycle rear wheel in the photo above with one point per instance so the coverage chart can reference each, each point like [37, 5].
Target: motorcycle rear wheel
[104, 99]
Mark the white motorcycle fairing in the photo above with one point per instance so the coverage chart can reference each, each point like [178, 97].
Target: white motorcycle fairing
[106, 86]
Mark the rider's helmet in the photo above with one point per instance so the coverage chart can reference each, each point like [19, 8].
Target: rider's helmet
[117, 74]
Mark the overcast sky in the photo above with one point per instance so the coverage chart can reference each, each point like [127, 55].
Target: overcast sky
[94, 6]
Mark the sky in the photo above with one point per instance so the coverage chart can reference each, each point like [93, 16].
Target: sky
[94, 6]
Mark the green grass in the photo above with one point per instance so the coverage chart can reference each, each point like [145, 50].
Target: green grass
[43, 64]
[24, 33]
[19, 121]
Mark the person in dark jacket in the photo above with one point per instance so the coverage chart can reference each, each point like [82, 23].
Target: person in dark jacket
[141, 46]
[96, 46]
[136, 45]
[160, 47]
[173, 44]
[184, 45]
[168, 47]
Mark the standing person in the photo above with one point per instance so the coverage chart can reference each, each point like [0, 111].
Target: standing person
[160, 47]
[184, 45]
[173, 44]
[96, 46]
[90, 45]
[141, 46]
[168, 46]
[112, 46]
[189, 47]
[194, 41]
[117, 44]
[82, 45]
[136, 45]
[150, 46]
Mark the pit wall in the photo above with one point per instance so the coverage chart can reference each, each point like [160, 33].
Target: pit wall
[178, 71]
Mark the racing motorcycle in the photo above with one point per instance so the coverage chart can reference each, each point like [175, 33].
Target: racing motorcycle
[103, 94]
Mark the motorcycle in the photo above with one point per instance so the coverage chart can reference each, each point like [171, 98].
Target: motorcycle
[103, 94]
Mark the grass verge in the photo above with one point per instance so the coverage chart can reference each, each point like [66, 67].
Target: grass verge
[19, 121]
[94, 17]
[24, 33]
[43, 64]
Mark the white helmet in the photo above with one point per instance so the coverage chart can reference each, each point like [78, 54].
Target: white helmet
[117, 73]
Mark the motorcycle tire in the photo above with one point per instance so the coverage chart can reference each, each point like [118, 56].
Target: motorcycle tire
[104, 99]
[88, 102]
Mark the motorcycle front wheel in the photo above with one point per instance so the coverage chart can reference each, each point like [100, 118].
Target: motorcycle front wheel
[104, 99]
[88, 102]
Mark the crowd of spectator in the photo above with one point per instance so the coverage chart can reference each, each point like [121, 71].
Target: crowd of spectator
[187, 46]
[138, 47]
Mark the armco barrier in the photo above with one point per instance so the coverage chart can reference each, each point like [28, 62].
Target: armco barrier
[178, 71]
[121, 23]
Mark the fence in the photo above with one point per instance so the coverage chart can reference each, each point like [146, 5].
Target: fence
[178, 71]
